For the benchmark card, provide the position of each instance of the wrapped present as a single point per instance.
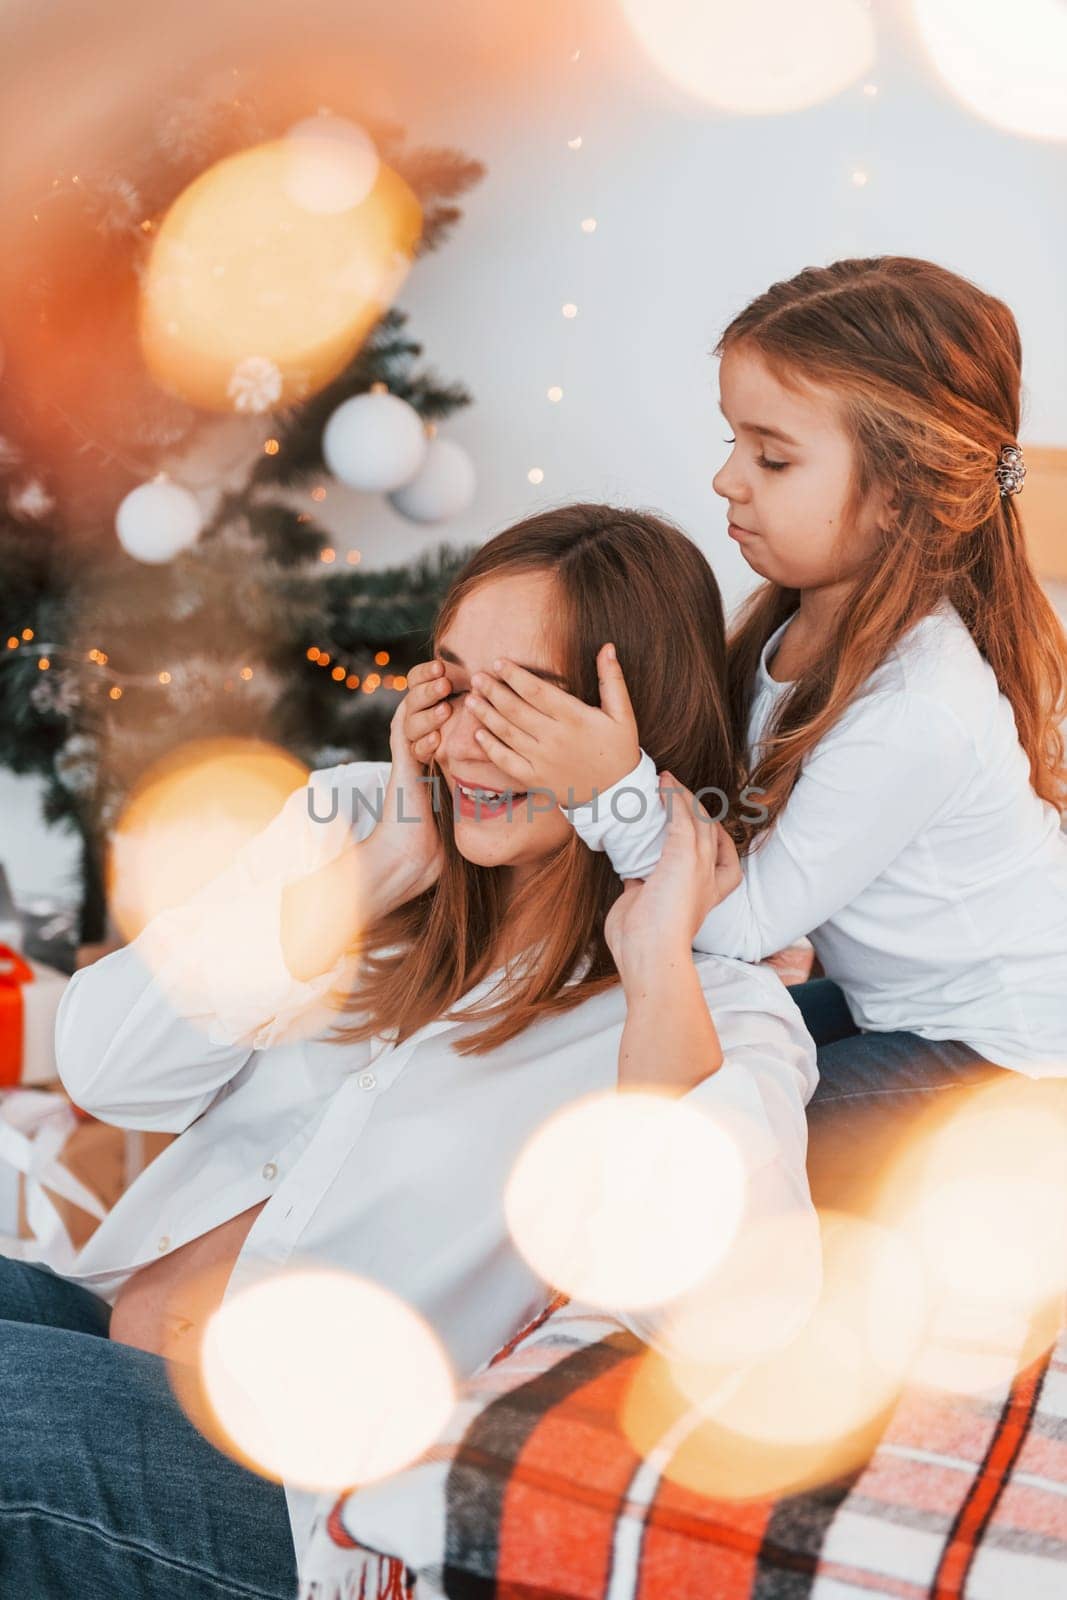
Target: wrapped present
(30, 993)
(35, 1125)
(61, 1171)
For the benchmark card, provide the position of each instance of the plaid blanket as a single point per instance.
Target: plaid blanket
(533, 1491)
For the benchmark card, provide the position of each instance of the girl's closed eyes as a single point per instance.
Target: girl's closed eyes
(773, 466)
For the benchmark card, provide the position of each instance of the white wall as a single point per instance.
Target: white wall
(696, 213)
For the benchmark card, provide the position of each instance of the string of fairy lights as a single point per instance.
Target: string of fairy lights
(574, 141)
(366, 683)
(174, 677)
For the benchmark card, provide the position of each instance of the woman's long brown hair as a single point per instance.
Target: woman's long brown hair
(926, 369)
(620, 575)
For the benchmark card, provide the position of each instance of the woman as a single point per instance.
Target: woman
(499, 976)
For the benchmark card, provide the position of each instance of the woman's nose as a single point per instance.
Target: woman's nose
(459, 729)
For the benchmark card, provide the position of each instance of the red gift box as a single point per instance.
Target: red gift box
(30, 996)
(14, 974)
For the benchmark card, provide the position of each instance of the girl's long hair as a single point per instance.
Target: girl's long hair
(926, 368)
(619, 575)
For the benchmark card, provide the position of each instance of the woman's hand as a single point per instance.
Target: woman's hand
(669, 1040)
(654, 919)
(545, 738)
(403, 854)
(427, 707)
(323, 915)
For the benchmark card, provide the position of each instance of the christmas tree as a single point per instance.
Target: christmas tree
(107, 662)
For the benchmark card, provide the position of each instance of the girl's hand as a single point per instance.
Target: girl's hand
(654, 919)
(403, 854)
(428, 708)
(545, 738)
(793, 964)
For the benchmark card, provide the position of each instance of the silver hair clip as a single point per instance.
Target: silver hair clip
(1011, 469)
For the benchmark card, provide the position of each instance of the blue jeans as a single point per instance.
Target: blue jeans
(107, 1490)
(873, 1090)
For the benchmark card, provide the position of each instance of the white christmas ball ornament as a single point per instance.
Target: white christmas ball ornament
(157, 520)
(443, 487)
(374, 442)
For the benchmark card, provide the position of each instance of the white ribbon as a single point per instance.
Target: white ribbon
(34, 1127)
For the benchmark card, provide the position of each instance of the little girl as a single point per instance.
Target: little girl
(897, 682)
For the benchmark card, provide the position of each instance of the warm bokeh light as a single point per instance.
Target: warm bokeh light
(184, 825)
(808, 1411)
(852, 1353)
(187, 818)
(981, 1191)
(776, 57)
(324, 1379)
(751, 1302)
(252, 299)
(626, 1199)
(1008, 67)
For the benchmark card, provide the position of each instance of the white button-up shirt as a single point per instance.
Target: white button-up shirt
(396, 1171)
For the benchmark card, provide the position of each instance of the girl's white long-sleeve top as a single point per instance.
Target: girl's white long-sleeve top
(913, 852)
(389, 1161)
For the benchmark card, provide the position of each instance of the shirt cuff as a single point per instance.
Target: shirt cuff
(628, 821)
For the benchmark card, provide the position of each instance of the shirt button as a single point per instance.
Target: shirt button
(164, 1243)
(367, 1080)
(270, 1170)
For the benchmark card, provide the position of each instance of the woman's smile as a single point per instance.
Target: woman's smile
(480, 802)
(479, 807)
